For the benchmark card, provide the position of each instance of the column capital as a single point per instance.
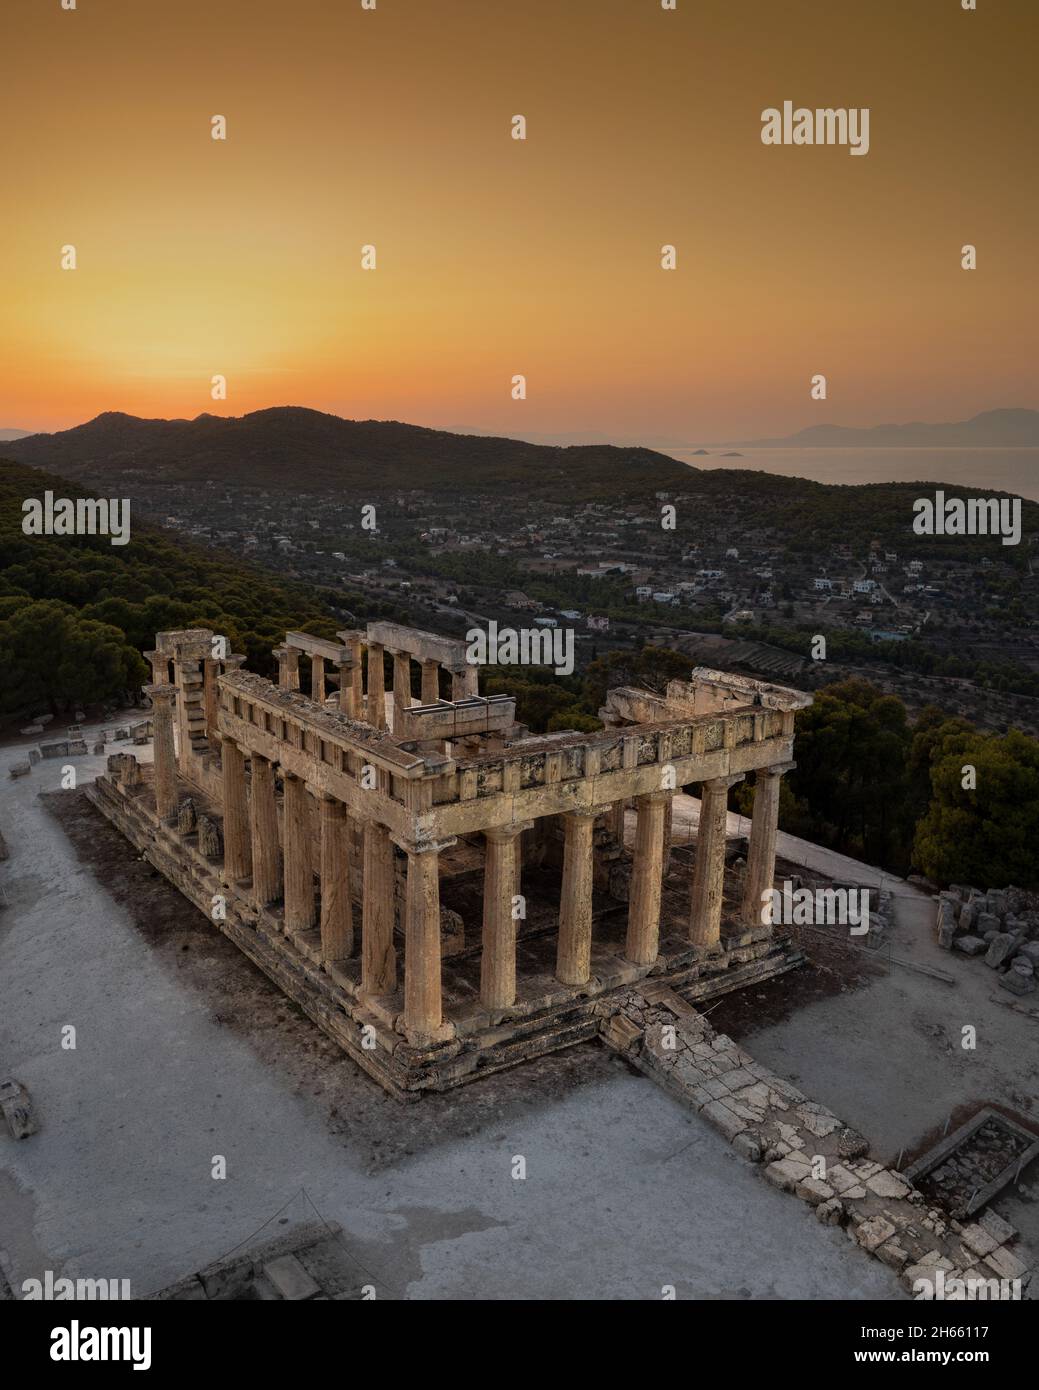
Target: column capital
(160, 692)
(504, 833)
(776, 769)
(729, 780)
(591, 812)
(422, 846)
(662, 796)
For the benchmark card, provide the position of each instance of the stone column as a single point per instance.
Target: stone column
(465, 680)
(615, 820)
(378, 958)
(264, 822)
(237, 843)
(422, 1000)
(317, 678)
(211, 670)
(430, 682)
(288, 667)
(646, 879)
(160, 664)
(300, 911)
(165, 783)
(709, 869)
(498, 962)
(401, 682)
(347, 705)
(357, 678)
(376, 686)
(337, 923)
(574, 953)
(761, 854)
(669, 815)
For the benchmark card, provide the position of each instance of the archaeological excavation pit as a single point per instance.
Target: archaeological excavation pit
(969, 1167)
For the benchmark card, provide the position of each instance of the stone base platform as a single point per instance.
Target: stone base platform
(547, 1015)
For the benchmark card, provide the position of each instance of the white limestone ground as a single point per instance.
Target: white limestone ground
(625, 1191)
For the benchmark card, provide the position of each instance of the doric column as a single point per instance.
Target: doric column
(615, 819)
(237, 843)
(465, 680)
(574, 953)
(422, 1001)
(761, 853)
(317, 678)
(160, 664)
(669, 815)
(164, 752)
(430, 682)
(337, 925)
(300, 912)
(378, 958)
(401, 681)
(646, 879)
(288, 667)
(376, 686)
(263, 815)
(357, 678)
(211, 670)
(498, 962)
(709, 869)
(347, 705)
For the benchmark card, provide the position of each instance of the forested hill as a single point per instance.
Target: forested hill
(76, 611)
(305, 450)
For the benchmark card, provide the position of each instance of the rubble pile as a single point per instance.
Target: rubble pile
(1001, 926)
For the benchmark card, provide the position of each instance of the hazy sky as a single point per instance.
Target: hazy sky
(496, 256)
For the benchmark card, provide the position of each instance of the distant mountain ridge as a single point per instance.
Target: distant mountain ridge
(994, 429)
(7, 434)
(296, 448)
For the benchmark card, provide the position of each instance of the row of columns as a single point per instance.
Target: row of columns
(251, 850)
(359, 703)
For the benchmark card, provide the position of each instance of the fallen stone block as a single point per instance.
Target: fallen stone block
(851, 1144)
(814, 1190)
(993, 1224)
(817, 1119)
(787, 1172)
(874, 1232)
(1002, 946)
(978, 1240)
(749, 1145)
(290, 1278)
(1017, 982)
(830, 1213)
(18, 1109)
(888, 1184)
(970, 945)
(21, 769)
(895, 1256)
(1005, 1263)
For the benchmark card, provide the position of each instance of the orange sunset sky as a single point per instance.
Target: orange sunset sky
(495, 256)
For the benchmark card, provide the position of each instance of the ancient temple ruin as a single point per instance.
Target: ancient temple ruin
(442, 892)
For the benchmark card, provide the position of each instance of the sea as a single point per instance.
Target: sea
(988, 470)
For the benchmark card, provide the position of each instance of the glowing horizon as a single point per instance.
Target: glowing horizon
(495, 257)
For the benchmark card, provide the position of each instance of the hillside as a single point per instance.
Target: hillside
(299, 449)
